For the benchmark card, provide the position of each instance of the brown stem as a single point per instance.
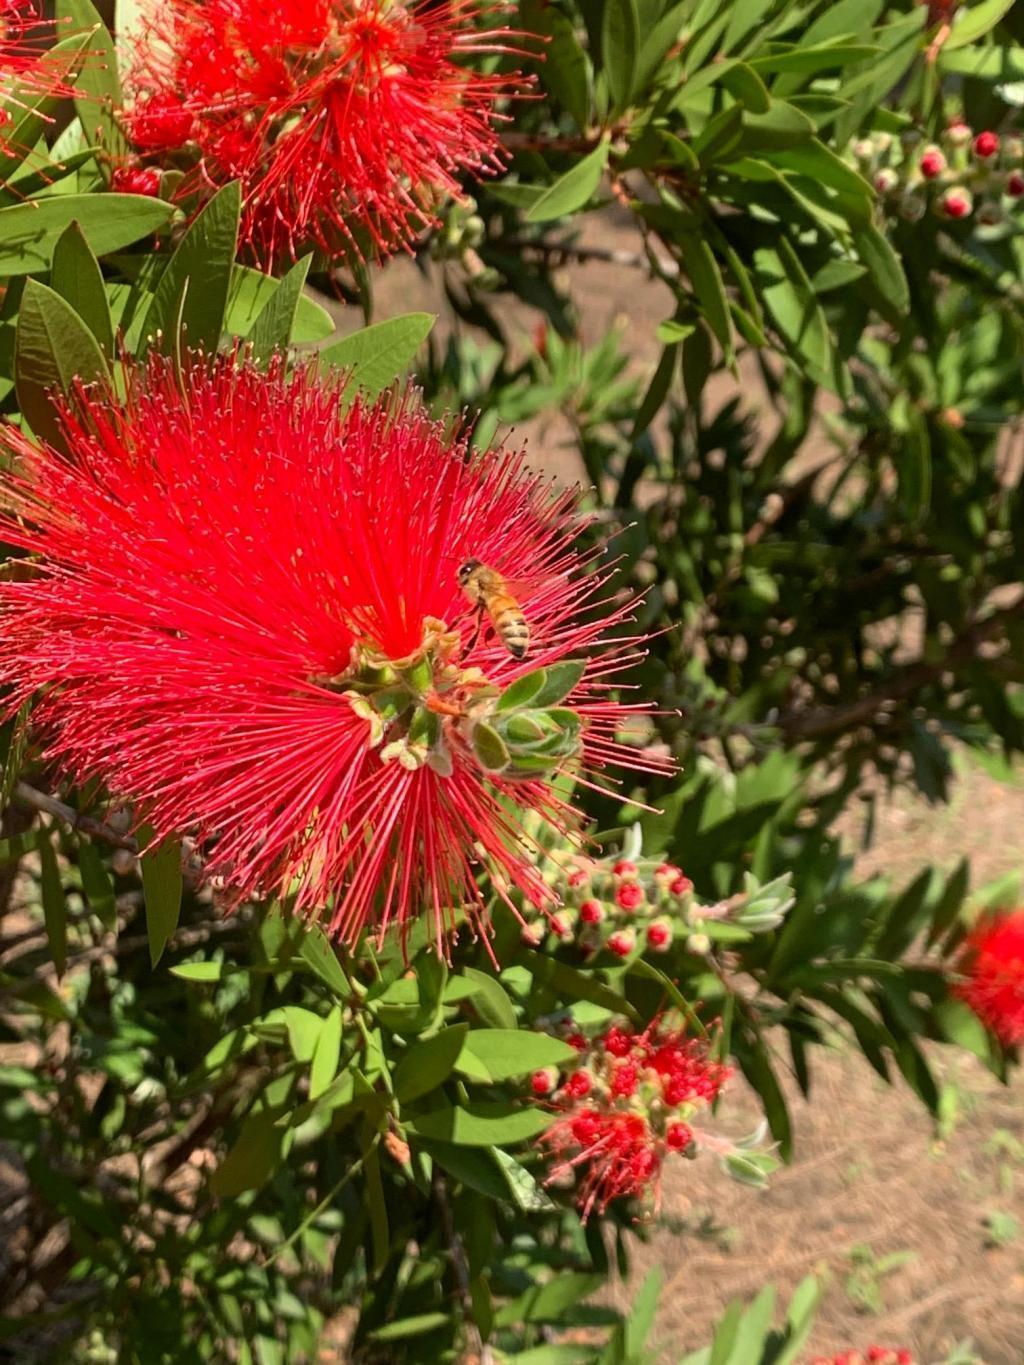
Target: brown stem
(25, 795)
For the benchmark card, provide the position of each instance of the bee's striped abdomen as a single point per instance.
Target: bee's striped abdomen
(510, 623)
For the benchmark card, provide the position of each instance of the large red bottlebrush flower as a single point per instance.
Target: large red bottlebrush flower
(347, 121)
(994, 970)
(248, 622)
(625, 1107)
(29, 69)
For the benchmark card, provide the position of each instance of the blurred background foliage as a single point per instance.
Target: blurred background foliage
(242, 1154)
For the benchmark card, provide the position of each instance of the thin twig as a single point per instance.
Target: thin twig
(480, 1352)
(83, 824)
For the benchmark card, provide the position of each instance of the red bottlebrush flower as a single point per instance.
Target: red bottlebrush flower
(616, 1143)
(994, 967)
(986, 145)
(347, 121)
(248, 623)
(932, 163)
(629, 896)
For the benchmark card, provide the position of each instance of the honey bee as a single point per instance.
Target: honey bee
(489, 593)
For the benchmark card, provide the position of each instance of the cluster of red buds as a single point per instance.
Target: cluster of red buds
(627, 1104)
(965, 174)
(626, 904)
(873, 1355)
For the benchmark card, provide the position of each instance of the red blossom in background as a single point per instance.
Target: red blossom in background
(347, 121)
(614, 1132)
(994, 968)
(873, 1355)
(247, 622)
(29, 70)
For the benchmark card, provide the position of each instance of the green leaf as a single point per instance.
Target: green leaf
(378, 355)
(162, 888)
(497, 1054)
(884, 267)
(473, 1166)
(373, 1188)
(782, 125)
(54, 907)
(52, 348)
(96, 883)
(549, 1302)
(526, 1193)
(490, 1000)
(565, 70)
(489, 748)
(481, 1124)
(572, 190)
(77, 278)
(791, 301)
(702, 267)
(251, 292)
(99, 81)
(971, 24)
(252, 1160)
(29, 232)
(319, 955)
(416, 1326)
(746, 85)
(273, 327)
(429, 1063)
(574, 984)
(523, 691)
(327, 1052)
(191, 299)
(203, 973)
(559, 681)
(620, 50)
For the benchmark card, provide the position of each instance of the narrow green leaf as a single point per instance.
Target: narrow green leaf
(971, 24)
(373, 1187)
(572, 190)
(702, 267)
(273, 327)
(416, 1326)
(490, 1000)
(526, 1193)
(190, 301)
(250, 293)
(77, 278)
(162, 888)
(503, 1054)
(620, 50)
(52, 348)
(574, 984)
(318, 954)
(29, 232)
(565, 71)
(252, 1160)
(378, 355)
(204, 973)
(54, 907)
(99, 81)
(884, 266)
(324, 1066)
(429, 1063)
(481, 1125)
(96, 883)
(657, 390)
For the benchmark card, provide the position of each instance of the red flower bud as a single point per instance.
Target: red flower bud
(932, 163)
(136, 180)
(682, 886)
(986, 145)
(957, 203)
(1015, 185)
(591, 912)
(622, 943)
(629, 896)
(625, 868)
(678, 1136)
(659, 935)
(543, 1082)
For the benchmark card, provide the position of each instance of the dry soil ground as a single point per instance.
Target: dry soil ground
(870, 1170)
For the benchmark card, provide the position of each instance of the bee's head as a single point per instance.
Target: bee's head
(467, 570)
